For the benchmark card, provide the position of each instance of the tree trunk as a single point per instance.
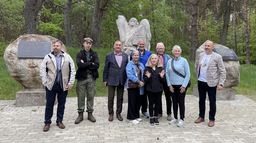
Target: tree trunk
(31, 10)
(99, 10)
(67, 23)
(247, 31)
(226, 19)
(193, 9)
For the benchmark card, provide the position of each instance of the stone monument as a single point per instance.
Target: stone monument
(232, 66)
(22, 58)
(133, 31)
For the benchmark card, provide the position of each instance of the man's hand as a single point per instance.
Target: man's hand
(220, 87)
(69, 86)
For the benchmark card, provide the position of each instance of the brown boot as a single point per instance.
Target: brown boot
(80, 118)
(60, 125)
(111, 117)
(199, 120)
(90, 117)
(46, 127)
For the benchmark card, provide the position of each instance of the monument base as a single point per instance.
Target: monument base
(224, 94)
(35, 97)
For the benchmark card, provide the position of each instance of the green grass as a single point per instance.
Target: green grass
(9, 87)
(247, 85)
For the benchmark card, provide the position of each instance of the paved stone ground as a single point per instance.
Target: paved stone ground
(235, 123)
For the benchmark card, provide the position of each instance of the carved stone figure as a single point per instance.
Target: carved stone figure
(232, 66)
(133, 31)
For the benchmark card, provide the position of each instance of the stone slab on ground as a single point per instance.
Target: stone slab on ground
(35, 97)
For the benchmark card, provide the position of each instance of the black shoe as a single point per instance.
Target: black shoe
(46, 127)
(151, 121)
(119, 117)
(156, 121)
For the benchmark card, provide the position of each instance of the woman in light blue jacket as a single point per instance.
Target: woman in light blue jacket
(134, 71)
(178, 76)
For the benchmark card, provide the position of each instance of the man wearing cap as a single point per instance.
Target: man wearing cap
(88, 63)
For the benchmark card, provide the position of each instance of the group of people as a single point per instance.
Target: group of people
(145, 75)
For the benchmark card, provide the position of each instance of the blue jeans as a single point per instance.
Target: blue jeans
(50, 99)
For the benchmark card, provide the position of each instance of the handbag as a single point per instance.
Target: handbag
(132, 84)
(179, 74)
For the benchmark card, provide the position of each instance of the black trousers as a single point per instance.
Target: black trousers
(50, 99)
(178, 102)
(133, 103)
(143, 102)
(119, 96)
(203, 88)
(154, 103)
(168, 98)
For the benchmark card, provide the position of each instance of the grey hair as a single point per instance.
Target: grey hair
(160, 44)
(176, 47)
(134, 52)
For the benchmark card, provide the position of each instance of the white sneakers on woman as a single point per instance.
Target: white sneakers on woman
(135, 122)
(178, 123)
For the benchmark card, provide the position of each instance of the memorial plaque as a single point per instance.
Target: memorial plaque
(33, 49)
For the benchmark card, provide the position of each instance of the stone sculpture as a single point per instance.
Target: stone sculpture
(133, 31)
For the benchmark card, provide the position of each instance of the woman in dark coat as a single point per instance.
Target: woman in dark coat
(153, 78)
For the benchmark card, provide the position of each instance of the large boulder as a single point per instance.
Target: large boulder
(26, 70)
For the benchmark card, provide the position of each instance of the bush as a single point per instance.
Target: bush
(50, 29)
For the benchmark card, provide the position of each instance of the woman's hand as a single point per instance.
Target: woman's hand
(162, 73)
(171, 89)
(141, 84)
(182, 89)
(148, 74)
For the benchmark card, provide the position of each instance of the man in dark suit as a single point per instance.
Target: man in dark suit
(114, 76)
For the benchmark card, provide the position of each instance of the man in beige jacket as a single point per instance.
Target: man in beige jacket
(57, 71)
(211, 76)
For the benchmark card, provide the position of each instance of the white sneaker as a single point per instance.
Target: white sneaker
(135, 122)
(173, 121)
(180, 123)
(139, 119)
